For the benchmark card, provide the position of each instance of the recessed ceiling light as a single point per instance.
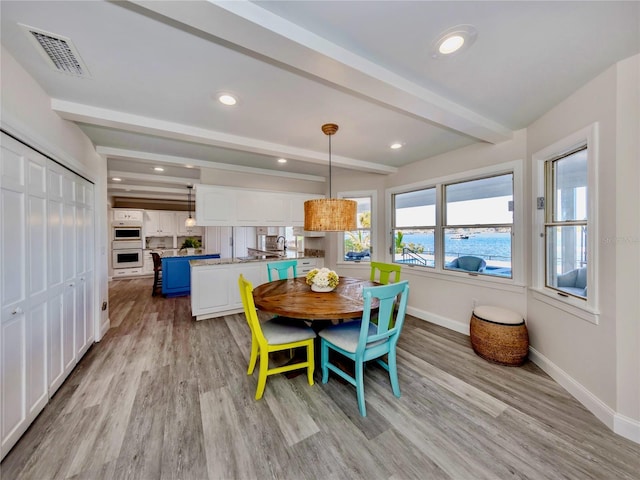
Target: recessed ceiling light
(454, 40)
(116, 179)
(395, 146)
(451, 44)
(227, 99)
(282, 160)
(158, 169)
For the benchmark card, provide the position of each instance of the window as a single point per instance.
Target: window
(478, 225)
(357, 244)
(414, 223)
(565, 245)
(566, 223)
(458, 225)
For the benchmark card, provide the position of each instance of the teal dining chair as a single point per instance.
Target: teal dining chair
(283, 269)
(363, 340)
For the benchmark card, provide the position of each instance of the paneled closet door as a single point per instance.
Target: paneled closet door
(23, 332)
(37, 391)
(87, 278)
(55, 277)
(13, 295)
(69, 245)
(46, 281)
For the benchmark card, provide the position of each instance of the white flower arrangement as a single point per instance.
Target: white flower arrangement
(323, 278)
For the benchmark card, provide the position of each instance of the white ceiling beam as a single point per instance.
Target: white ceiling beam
(280, 41)
(121, 153)
(118, 187)
(78, 112)
(148, 177)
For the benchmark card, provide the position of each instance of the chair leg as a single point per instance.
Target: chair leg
(360, 387)
(262, 374)
(324, 360)
(254, 356)
(312, 361)
(393, 373)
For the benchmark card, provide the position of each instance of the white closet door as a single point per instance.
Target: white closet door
(37, 385)
(46, 282)
(13, 299)
(56, 286)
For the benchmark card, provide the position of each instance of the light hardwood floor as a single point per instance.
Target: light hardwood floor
(165, 397)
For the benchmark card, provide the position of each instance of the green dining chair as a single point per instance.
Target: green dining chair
(380, 272)
(363, 340)
(283, 269)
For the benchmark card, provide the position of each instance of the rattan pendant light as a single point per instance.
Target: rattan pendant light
(330, 214)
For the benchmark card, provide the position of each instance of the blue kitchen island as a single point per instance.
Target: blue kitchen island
(176, 273)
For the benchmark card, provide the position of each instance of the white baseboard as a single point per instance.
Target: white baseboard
(624, 426)
(627, 427)
(439, 320)
(104, 327)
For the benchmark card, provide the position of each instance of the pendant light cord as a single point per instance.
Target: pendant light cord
(330, 166)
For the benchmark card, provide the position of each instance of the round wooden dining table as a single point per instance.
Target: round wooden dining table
(294, 298)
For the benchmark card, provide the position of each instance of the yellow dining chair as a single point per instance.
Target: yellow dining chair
(272, 336)
(380, 272)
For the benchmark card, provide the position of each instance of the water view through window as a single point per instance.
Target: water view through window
(476, 230)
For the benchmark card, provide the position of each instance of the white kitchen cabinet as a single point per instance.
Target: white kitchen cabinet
(147, 262)
(182, 230)
(215, 206)
(261, 208)
(46, 246)
(243, 238)
(158, 223)
(128, 272)
(215, 291)
(219, 240)
(126, 216)
(224, 206)
(214, 288)
(305, 265)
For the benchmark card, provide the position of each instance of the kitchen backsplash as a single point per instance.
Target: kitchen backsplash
(159, 242)
(313, 252)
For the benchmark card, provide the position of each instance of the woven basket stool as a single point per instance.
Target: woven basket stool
(499, 335)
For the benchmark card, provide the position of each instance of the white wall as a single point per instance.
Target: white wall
(598, 364)
(580, 355)
(628, 240)
(26, 113)
(212, 176)
(446, 299)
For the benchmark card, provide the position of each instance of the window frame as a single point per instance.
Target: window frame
(446, 225)
(514, 167)
(585, 308)
(433, 227)
(373, 196)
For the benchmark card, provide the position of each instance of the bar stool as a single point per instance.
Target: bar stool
(157, 274)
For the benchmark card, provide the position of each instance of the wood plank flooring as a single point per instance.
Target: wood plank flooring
(165, 397)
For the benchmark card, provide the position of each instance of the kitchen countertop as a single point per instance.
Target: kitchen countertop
(176, 252)
(253, 258)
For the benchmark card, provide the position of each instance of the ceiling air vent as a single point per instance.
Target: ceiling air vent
(59, 52)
